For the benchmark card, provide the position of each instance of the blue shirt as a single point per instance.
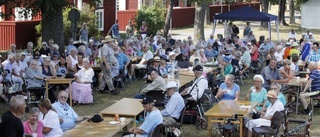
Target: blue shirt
(259, 97)
(122, 59)
(115, 30)
(265, 46)
(210, 54)
(174, 106)
(315, 77)
(230, 94)
(153, 119)
(87, 52)
(268, 74)
(67, 114)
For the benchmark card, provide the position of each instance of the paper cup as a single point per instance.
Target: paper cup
(34, 135)
(122, 119)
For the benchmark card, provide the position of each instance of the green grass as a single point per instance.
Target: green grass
(102, 101)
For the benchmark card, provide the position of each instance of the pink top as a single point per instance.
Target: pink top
(27, 128)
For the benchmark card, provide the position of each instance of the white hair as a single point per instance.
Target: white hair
(30, 44)
(11, 56)
(85, 60)
(16, 101)
(75, 49)
(81, 49)
(55, 46)
(13, 45)
(259, 77)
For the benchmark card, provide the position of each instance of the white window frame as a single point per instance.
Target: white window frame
(1, 19)
(100, 19)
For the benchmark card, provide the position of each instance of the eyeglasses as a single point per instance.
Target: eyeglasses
(63, 97)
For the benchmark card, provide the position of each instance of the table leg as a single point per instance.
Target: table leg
(297, 99)
(47, 93)
(70, 92)
(209, 127)
(241, 127)
(134, 121)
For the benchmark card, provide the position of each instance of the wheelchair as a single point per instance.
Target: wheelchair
(34, 94)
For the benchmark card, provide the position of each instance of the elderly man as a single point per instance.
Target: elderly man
(314, 82)
(122, 58)
(34, 77)
(147, 55)
(67, 116)
(13, 49)
(314, 55)
(11, 125)
(106, 53)
(196, 90)
(265, 46)
(265, 117)
(157, 83)
(9, 66)
(172, 111)
(271, 74)
(246, 58)
(152, 119)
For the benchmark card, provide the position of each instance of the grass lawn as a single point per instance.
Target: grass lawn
(102, 101)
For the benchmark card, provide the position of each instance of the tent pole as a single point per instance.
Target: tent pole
(214, 26)
(225, 30)
(269, 28)
(277, 27)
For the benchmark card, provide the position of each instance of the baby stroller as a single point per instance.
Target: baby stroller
(194, 113)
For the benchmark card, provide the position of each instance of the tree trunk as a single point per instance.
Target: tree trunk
(200, 9)
(292, 18)
(207, 17)
(168, 18)
(265, 8)
(281, 13)
(52, 27)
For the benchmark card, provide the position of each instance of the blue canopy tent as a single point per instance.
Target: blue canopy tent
(246, 14)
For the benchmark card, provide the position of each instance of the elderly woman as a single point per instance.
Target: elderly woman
(29, 51)
(33, 125)
(44, 50)
(55, 50)
(82, 50)
(143, 29)
(79, 65)
(72, 60)
(202, 56)
(257, 93)
(49, 118)
(33, 76)
(210, 52)
(225, 67)
(81, 88)
(61, 67)
(46, 68)
(13, 49)
(276, 87)
(265, 117)
(194, 56)
(228, 90)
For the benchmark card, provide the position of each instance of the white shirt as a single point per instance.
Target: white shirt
(146, 56)
(279, 56)
(51, 120)
(292, 35)
(277, 106)
(198, 90)
(85, 75)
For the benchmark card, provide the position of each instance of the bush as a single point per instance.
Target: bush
(153, 15)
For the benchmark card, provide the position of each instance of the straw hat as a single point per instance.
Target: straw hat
(272, 94)
(107, 39)
(295, 44)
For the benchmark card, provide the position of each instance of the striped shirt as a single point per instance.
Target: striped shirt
(313, 56)
(315, 77)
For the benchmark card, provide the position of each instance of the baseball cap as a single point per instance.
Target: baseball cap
(198, 68)
(147, 99)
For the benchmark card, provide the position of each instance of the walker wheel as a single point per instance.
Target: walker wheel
(201, 123)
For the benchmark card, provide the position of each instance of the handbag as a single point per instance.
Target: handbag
(255, 115)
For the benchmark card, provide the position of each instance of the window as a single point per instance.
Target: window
(22, 14)
(100, 19)
(1, 14)
(99, 3)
